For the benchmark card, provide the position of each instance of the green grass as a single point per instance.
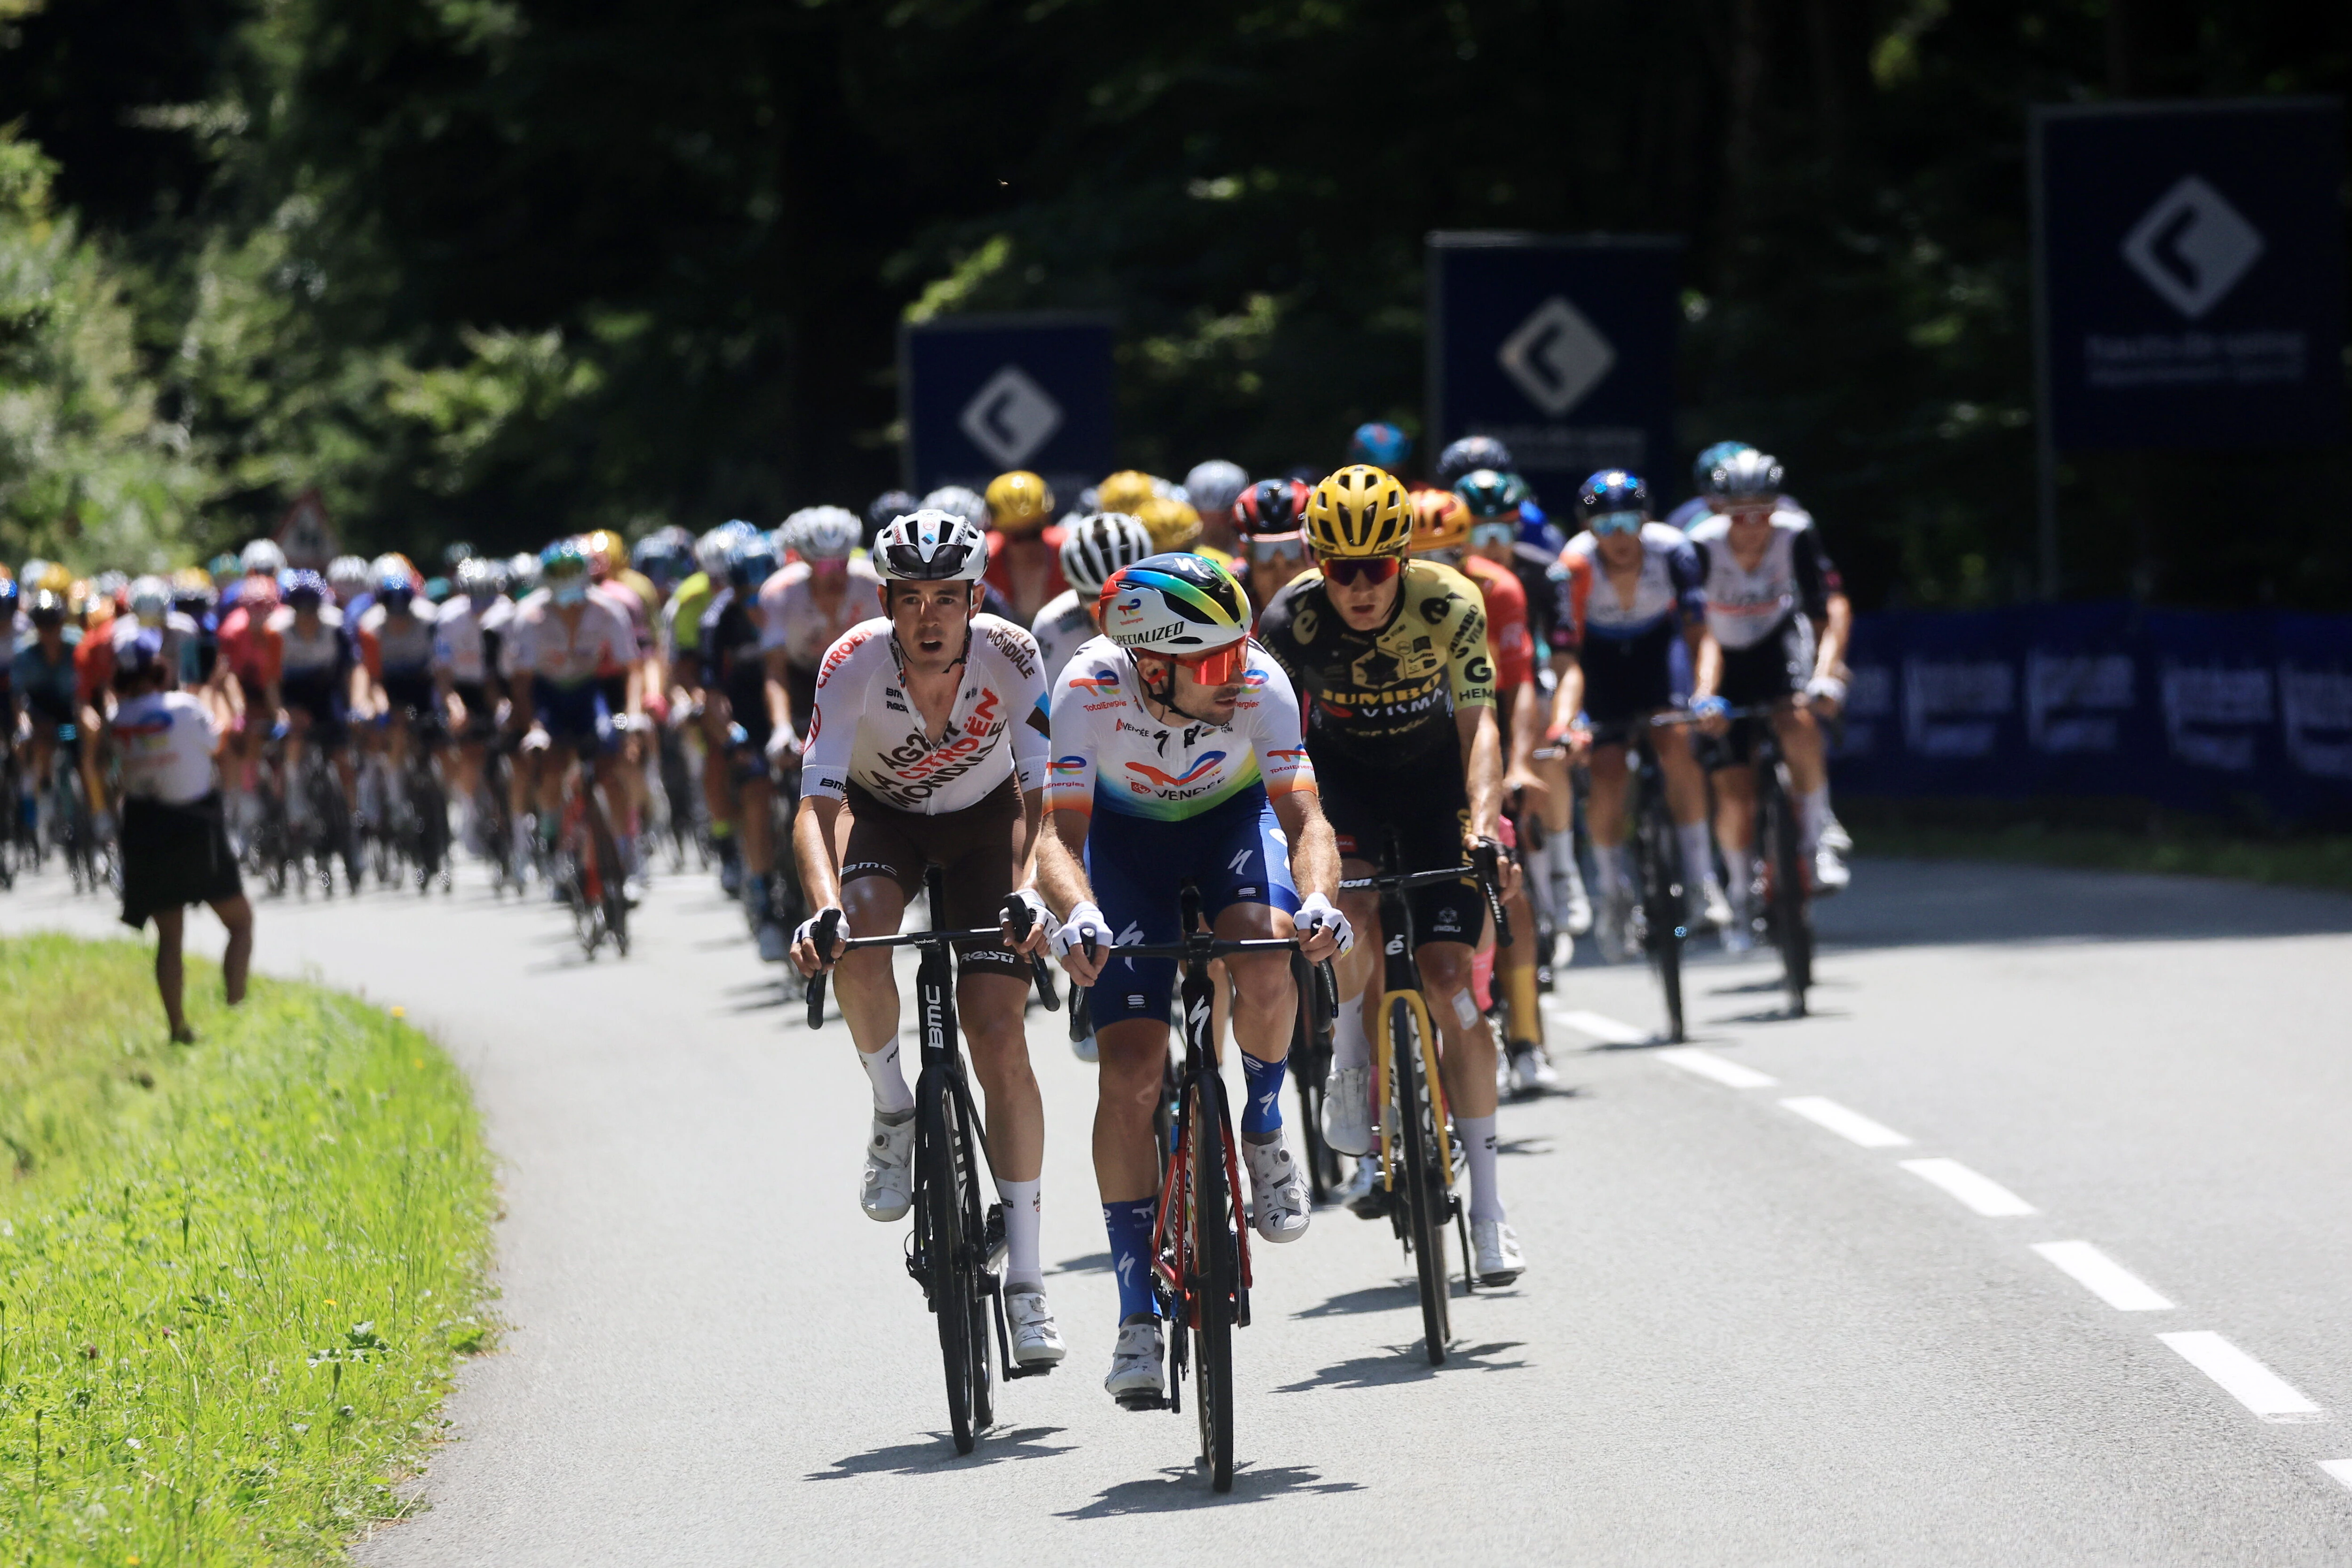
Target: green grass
(235, 1278)
(2185, 847)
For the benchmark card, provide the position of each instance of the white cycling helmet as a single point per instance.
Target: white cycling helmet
(1095, 546)
(930, 546)
(968, 505)
(715, 549)
(824, 533)
(1212, 486)
(348, 575)
(263, 556)
(522, 573)
(150, 597)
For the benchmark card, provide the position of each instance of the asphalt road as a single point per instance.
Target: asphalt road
(1745, 1336)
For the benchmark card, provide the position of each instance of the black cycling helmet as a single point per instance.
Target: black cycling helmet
(1273, 507)
(1611, 492)
(1747, 475)
(1470, 454)
(887, 508)
(1490, 495)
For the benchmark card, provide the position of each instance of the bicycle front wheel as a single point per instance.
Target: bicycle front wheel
(941, 1245)
(1425, 1185)
(1215, 1266)
(1662, 910)
(1793, 924)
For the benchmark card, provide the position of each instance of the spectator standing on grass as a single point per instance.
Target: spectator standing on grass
(175, 837)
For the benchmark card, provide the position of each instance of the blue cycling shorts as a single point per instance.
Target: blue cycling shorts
(575, 717)
(1236, 854)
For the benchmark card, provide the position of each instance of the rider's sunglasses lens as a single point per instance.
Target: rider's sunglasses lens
(1368, 569)
(1617, 522)
(1222, 668)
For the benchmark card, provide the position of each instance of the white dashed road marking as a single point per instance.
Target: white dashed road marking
(1848, 1124)
(2241, 1377)
(1607, 1030)
(1706, 1064)
(2103, 1277)
(2339, 1468)
(1982, 1194)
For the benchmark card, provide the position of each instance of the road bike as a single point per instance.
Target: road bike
(586, 865)
(1416, 1151)
(1781, 896)
(1201, 1245)
(1659, 924)
(956, 1250)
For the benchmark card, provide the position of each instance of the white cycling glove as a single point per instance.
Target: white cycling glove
(783, 743)
(1316, 914)
(1828, 686)
(1085, 921)
(808, 930)
(1039, 915)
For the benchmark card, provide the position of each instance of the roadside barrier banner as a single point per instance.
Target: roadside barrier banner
(2224, 714)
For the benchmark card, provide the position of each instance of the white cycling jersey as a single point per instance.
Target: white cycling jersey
(1668, 585)
(315, 653)
(791, 617)
(539, 643)
(1744, 607)
(402, 647)
(458, 640)
(1060, 627)
(864, 731)
(1109, 751)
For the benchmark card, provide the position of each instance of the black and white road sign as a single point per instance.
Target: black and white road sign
(985, 394)
(1564, 349)
(2191, 265)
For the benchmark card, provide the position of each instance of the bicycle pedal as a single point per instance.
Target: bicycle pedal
(1142, 1401)
(1039, 1370)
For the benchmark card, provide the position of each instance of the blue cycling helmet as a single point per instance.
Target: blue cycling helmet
(1382, 445)
(394, 590)
(1613, 492)
(8, 592)
(305, 590)
(1713, 457)
(754, 561)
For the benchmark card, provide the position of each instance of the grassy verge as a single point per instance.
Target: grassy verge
(235, 1278)
(1951, 831)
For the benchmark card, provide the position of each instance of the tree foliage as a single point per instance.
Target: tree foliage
(501, 267)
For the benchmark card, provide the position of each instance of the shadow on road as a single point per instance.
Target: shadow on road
(1175, 1490)
(1089, 1263)
(1371, 1299)
(938, 1453)
(1406, 1363)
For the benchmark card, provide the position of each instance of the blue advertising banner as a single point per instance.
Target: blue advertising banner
(1561, 348)
(2201, 712)
(2191, 266)
(981, 394)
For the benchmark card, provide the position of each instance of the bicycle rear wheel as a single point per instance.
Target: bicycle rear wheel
(1425, 1185)
(1215, 1266)
(1792, 925)
(941, 1245)
(1662, 910)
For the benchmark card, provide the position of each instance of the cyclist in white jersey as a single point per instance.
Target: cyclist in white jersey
(1778, 609)
(462, 676)
(1179, 738)
(395, 641)
(805, 609)
(1632, 590)
(563, 648)
(925, 728)
(1093, 547)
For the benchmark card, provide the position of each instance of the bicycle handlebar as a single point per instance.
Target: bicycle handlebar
(1484, 867)
(828, 927)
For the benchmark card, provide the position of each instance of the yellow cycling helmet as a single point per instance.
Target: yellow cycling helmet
(1172, 524)
(55, 579)
(605, 551)
(1019, 504)
(1359, 511)
(1440, 522)
(1126, 491)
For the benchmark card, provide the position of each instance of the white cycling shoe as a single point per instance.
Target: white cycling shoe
(1497, 1244)
(1531, 1070)
(1278, 1202)
(1709, 909)
(1037, 1338)
(1136, 1362)
(1568, 897)
(1830, 875)
(890, 1181)
(1613, 931)
(1347, 1109)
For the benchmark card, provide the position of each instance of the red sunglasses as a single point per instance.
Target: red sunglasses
(1219, 666)
(1347, 571)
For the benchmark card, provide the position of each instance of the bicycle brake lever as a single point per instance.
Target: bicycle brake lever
(828, 926)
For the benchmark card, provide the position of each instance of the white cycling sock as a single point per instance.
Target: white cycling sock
(1698, 852)
(891, 1094)
(1812, 814)
(1613, 864)
(1350, 1047)
(1740, 884)
(1478, 1135)
(1022, 1269)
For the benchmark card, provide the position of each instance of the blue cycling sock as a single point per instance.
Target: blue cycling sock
(1264, 1112)
(1130, 1224)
